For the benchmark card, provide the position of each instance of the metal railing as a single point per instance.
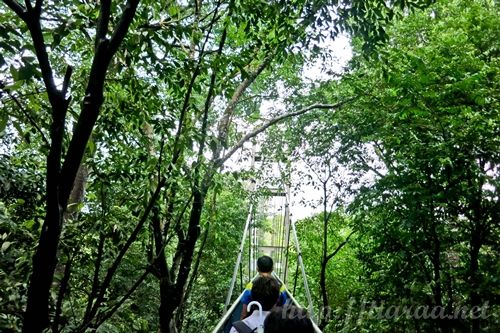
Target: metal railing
(294, 301)
(222, 323)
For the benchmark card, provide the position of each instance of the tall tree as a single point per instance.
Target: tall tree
(428, 112)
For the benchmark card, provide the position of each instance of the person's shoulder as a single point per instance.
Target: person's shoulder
(249, 285)
(246, 297)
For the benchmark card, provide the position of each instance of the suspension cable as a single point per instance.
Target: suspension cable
(255, 249)
(282, 239)
(276, 230)
(241, 277)
(295, 277)
(250, 249)
(287, 240)
(304, 276)
(235, 271)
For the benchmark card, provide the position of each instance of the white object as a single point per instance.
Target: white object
(260, 328)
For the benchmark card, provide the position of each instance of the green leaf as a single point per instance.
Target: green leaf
(173, 10)
(91, 147)
(24, 73)
(13, 72)
(5, 246)
(3, 121)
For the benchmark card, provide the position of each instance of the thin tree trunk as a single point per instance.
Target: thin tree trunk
(475, 297)
(324, 260)
(475, 244)
(172, 294)
(63, 288)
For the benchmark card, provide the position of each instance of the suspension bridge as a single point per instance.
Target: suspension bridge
(269, 230)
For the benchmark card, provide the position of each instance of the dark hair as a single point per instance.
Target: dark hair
(266, 291)
(288, 319)
(265, 264)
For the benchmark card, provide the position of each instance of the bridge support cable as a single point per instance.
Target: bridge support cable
(287, 240)
(281, 230)
(221, 325)
(241, 277)
(295, 303)
(250, 247)
(304, 276)
(295, 278)
(238, 261)
(282, 245)
(286, 232)
(255, 248)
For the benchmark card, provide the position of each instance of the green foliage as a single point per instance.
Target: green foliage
(423, 133)
(425, 125)
(343, 271)
(224, 221)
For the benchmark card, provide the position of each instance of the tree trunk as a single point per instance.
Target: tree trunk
(172, 294)
(44, 264)
(36, 318)
(475, 297)
(324, 295)
(475, 243)
(324, 259)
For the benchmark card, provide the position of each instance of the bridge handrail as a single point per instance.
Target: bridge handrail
(227, 315)
(294, 301)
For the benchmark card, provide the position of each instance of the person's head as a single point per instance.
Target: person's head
(266, 291)
(265, 264)
(288, 319)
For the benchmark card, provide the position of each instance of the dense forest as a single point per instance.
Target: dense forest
(126, 128)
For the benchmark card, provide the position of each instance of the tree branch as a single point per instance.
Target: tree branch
(194, 274)
(27, 115)
(67, 78)
(208, 101)
(219, 162)
(97, 269)
(16, 7)
(27, 3)
(369, 166)
(122, 28)
(62, 291)
(112, 269)
(136, 285)
(38, 6)
(196, 72)
(341, 245)
(228, 112)
(103, 23)
(32, 20)
(93, 100)
(177, 221)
